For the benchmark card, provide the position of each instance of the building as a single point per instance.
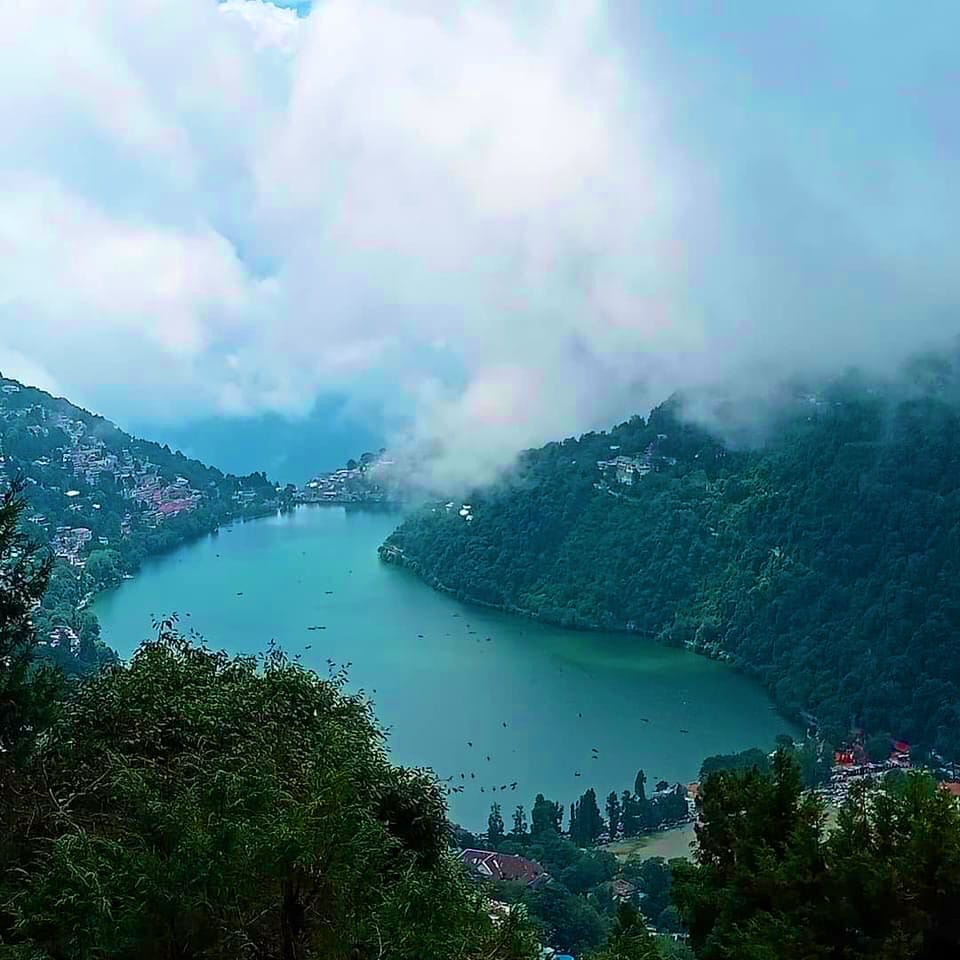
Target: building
(622, 890)
(504, 866)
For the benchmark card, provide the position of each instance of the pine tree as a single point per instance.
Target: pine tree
(495, 831)
(519, 822)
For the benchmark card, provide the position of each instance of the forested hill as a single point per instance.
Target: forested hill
(826, 562)
(103, 501)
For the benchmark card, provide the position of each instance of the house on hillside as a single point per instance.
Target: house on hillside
(491, 865)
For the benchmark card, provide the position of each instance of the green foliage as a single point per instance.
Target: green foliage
(629, 939)
(545, 817)
(878, 747)
(198, 805)
(495, 830)
(587, 824)
(568, 922)
(752, 759)
(103, 567)
(24, 573)
(589, 871)
(824, 560)
(655, 878)
(770, 882)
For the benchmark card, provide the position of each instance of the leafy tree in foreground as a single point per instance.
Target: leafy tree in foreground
(629, 939)
(771, 883)
(196, 805)
(23, 579)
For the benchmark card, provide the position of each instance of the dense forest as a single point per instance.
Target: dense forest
(823, 559)
(772, 878)
(103, 501)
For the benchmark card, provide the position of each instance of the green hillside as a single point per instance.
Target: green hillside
(103, 501)
(826, 561)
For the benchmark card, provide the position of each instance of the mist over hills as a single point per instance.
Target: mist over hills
(825, 561)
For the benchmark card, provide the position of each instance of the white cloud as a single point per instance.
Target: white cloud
(489, 210)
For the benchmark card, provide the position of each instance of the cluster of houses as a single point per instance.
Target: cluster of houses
(65, 637)
(629, 470)
(364, 482)
(135, 479)
(464, 511)
(851, 765)
(70, 543)
(162, 500)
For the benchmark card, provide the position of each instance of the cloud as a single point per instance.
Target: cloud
(514, 222)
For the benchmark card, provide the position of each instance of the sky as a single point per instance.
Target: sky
(476, 225)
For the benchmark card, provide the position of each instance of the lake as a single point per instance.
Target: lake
(533, 700)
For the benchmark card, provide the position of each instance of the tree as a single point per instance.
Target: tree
(588, 871)
(613, 814)
(669, 920)
(639, 784)
(193, 804)
(545, 817)
(519, 823)
(103, 567)
(569, 922)
(629, 938)
(589, 823)
(770, 882)
(630, 815)
(495, 829)
(877, 747)
(655, 879)
(752, 759)
(24, 573)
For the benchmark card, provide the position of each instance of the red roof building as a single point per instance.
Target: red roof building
(951, 787)
(503, 866)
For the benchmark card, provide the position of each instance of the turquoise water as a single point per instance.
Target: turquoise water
(439, 681)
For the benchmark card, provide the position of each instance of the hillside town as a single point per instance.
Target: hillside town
(102, 501)
(371, 479)
(853, 764)
(626, 470)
